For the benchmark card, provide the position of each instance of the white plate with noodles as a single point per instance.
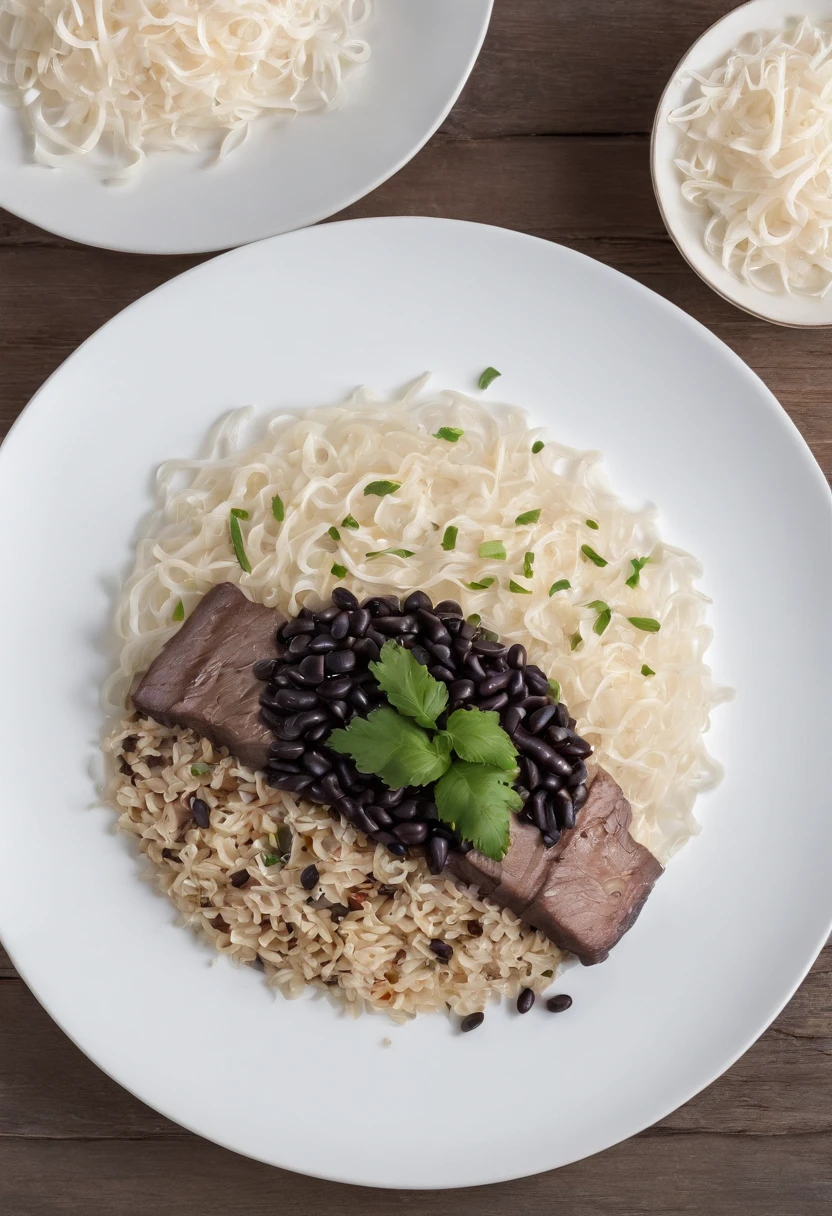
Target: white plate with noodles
(590, 363)
(255, 119)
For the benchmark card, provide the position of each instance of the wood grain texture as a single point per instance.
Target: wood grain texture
(550, 138)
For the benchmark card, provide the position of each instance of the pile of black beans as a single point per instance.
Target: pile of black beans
(321, 679)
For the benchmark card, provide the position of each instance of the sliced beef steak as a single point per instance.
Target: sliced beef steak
(203, 678)
(586, 892)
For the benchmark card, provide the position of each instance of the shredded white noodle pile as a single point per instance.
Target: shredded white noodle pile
(135, 76)
(757, 155)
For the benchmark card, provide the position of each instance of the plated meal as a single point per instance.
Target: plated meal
(409, 704)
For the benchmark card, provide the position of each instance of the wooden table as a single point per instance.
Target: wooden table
(550, 137)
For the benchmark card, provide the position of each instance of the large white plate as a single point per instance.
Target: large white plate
(730, 929)
(284, 176)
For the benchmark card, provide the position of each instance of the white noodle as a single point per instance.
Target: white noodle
(757, 156)
(647, 730)
(137, 76)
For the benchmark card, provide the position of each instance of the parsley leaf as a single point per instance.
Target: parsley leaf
(380, 488)
(393, 748)
(645, 622)
(476, 735)
(349, 521)
(333, 532)
(390, 553)
(575, 641)
(492, 548)
(482, 585)
(239, 513)
(538, 446)
(477, 799)
(593, 556)
(178, 613)
(408, 685)
(487, 377)
(590, 523)
(528, 517)
(647, 671)
(528, 562)
(563, 584)
(638, 564)
(338, 570)
(449, 539)
(200, 769)
(517, 589)
(450, 433)
(237, 542)
(277, 509)
(604, 616)
(554, 689)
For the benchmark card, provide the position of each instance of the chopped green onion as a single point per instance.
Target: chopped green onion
(474, 619)
(277, 509)
(538, 446)
(349, 521)
(575, 641)
(528, 517)
(390, 553)
(333, 532)
(547, 974)
(493, 548)
(590, 523)
(645, 622)
(178, 612)
(554, 689)
(270, 859)
(517, 589)
(593, 556)
(338, 570)
(601, 621)
(638, 563)
(283, 840)
(450, 433)
(563, 584)
(528, 562)
(200, 769)
(487, 377)
(647, 671)
(239, 513)
(449, 539)
(599, 606)
(380, 488)
(481, 585)
(237, 542)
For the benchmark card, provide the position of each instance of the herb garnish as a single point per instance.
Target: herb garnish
(277, 508)
(538, 446)
(563, 584)
(237, 542)
(349, 521)
(408, 686)
(474, 619)
(481, 585)
(380, 488)
(450, 433)
(604, 615)
(200, 769)
(528, 517)
(575, 641)
(333, 532)
(476, 799)
(528, 562)
(239, 513)
(390, 553)
(554, 689)
(647, 671)
(593, 556)
(393, 747)
(479, 738)
(492, 548)
(338, 570)
(178, 613)
(590, 523)
(638, 563)
(487, 377)
(517, 589)
(645, 622)
(270, 859)
(449, 538)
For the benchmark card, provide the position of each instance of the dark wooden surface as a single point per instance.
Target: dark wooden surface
(549, 137)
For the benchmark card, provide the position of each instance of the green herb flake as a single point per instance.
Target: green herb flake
(538, 446)
(200, 769)
(277, 509)
(338, 570)
(408, 685)
(638, 564)
(593, 556)
(393, 748)
(477, 799)
(476, 736)
(474, 619)
(645, 622)
(494, 549)
(547, 974)
(270, 859)
(563, 584)
(528, 517)
(575, 641)
(333, 532)
(590, 523)
(449, 433)
(239, 513)
(528, 563)
(389, 553)
(381, 488)
(482, 585)
(554, 690)
(601, 622)
(449, 539)
(517, 589)
(178, 613)
(349, 521)
(237, 542)
(487, 377)
(647, 671)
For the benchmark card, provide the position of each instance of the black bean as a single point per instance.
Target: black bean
(462, 690)
(571, 723)
(466, 631)
(562, 715)
(239, 878)
(412, 833)
(474, 668)
(332, 786)
(388, 798)
(286, 751)
(472, 1021)
(275, 720)
(344, 599)
(576, 747)
(359, 622)
(462, 648)
(359, 700)
(309, 721)
(516, 687)
(264, 669)
(441, 653)
(339, 710)
(444, 829)
(428, 810)
(288, 781)
(497, 702)
(441, 949)
(298, 626)
(420, 654)
(525, 1000)
(417, 600)
(552, 828)
(558, 734)
(365, 821)
(339, 662)
(281, 680)
(440, 672)
(438, 850)
(366, 796)
(309, 877)
(532, 704)
(383, 819)
(536, 674)
(536, 806)
(366, 650)
(451, 607)
(552, 782)
(201, 812)
(433, 627)
(397, 848)
(171, 856)
(348, 774)
(306, 614)
(296, 699)
(394, 624)
(317, 733)
(407, 809)
(312, 668)
(348, 807)
(540, 752)
(316, 764)
(512, 719)
(298, 645)
(541, 718)
(387, 891)
(530, 771)
(579, 775)
(334, 690)
(340, 626)
(316, 792)
(453, 624)
(579, 796)
(463, 846)
(322, 644)
(327, 615)
(338, 912)
(557, 1004)
(484, 647)
(517, 657)
(492, 684)
(564, 810)
(283, 766)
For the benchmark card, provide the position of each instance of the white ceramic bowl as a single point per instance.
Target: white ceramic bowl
(686, 223)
